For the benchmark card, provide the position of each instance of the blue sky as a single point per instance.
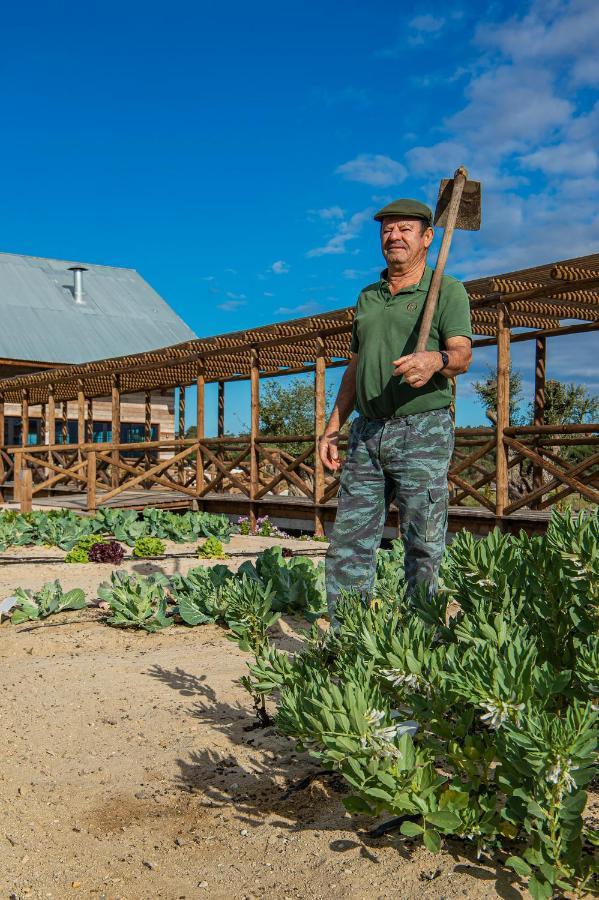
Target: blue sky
(234, 154)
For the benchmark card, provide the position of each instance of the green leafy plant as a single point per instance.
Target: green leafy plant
(66, 529)
(147, 547)
(249, 615)
(80, 552)
(107, 552)
(212, 548)
(297, 583)
(137, 602)
(45, 602)
(202, 595)
(477, 722)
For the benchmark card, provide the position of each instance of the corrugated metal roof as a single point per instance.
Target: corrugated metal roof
(121, 313)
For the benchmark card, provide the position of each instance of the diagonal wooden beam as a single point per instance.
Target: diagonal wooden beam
(64, 473)
(223, 475)
(134, 470)
(148, 474)
(283, 472)
(551, 485)
(291, 476)
(219, 465)
(468, 489)
(553, 470)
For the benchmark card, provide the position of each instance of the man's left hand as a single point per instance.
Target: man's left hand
(418, 368)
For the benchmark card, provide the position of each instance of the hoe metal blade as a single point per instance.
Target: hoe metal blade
(469, 211)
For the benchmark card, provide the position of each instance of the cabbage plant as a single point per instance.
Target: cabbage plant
(48, 600)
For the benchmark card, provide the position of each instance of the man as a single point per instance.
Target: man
(402, 441)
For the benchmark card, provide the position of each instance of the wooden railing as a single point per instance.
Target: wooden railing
(545, 465)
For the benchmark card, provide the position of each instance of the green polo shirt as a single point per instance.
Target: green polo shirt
(386, 327)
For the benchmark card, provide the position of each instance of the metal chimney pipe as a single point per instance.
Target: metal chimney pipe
(78, 282)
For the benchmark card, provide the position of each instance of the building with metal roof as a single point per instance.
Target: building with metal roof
(56, 311)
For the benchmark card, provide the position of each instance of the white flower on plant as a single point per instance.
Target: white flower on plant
(400, 679)
(381, 739)
(560, 771)
(499, 711)
(374, 716)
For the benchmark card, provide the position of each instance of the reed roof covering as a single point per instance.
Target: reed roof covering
(536, 298)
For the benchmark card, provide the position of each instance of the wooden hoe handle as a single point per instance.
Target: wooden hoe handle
(459, 180)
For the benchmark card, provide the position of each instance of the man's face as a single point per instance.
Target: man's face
(402, 239)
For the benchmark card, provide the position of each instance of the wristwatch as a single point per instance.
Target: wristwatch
(445, 358)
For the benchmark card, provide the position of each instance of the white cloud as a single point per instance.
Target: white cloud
(231, 296)
(280, 267)
(327, 213)
(561, 158)
(586, 71)
(548, 31)
(374, 169)
(347, 230)
(427, 23)
(509, 107)
(230, 305)
(524, 124)
(352, 274)
(303, 309)
(268, 294)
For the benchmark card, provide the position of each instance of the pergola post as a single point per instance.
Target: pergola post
(64, 424)
(148, 416)
(254, 431)
(181, 432)
(89, 422)
(24, 417)
(319, 426)
(221, 409)
(503, 410)
(80, 414)
(539, 405)
(200, 425)
(50, 428)
(115, 403)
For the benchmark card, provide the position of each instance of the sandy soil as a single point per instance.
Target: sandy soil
(130, 770)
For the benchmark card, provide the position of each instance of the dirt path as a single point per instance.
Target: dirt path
(128, 772)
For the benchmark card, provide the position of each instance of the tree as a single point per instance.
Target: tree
(486, 392)
(567, 404)
(289, 409)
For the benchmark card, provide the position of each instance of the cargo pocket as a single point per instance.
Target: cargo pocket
(436, 517)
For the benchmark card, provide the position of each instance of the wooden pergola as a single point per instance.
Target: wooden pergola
(247, 473)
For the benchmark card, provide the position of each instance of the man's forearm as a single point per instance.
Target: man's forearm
(345, 401)
(459, 360)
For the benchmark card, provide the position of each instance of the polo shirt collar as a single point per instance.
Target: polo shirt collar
(423, 284)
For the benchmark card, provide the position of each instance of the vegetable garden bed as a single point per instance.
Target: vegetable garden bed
(469, 718)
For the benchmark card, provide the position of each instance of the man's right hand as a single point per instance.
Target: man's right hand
(328, 451)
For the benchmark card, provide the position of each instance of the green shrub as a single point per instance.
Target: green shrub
(479, 724)
(147, 547)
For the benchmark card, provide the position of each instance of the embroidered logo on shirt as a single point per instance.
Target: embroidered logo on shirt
(412, 307)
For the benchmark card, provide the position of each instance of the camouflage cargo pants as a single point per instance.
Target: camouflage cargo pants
(408, 458)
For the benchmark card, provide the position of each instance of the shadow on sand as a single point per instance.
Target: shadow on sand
(278, 781)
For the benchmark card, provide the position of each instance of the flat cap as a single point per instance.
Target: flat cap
(406, 207)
